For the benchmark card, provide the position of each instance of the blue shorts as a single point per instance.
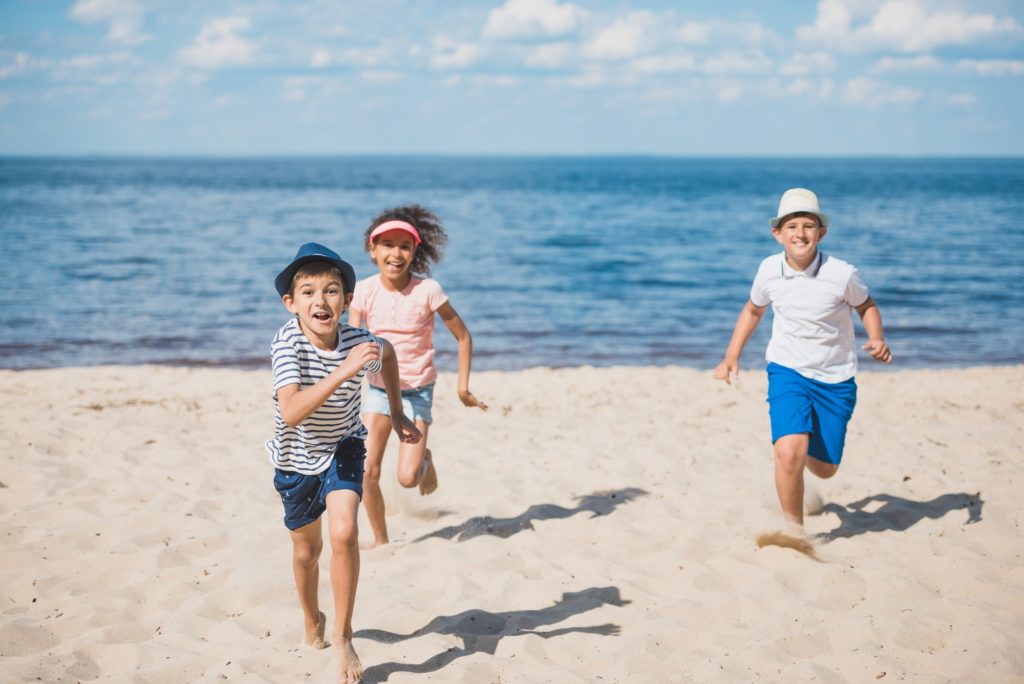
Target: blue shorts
(801, 405)
(416, 403)
(305, 496)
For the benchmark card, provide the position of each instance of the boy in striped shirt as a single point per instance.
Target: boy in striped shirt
(317, 450)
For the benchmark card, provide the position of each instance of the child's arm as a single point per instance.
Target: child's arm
(872, 319)
(355, 317)
(465, 340)
(298, 404)
(400, 423)
(745, 326)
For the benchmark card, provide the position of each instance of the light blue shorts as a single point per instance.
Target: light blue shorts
(820, 409)
(416, 402)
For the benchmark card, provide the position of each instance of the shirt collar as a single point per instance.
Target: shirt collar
(810, 272)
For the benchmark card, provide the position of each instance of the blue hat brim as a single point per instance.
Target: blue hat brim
(283, 281)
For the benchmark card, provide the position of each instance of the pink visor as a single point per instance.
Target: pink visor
(396, 225)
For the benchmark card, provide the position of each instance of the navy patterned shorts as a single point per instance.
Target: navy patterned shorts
(305, 496)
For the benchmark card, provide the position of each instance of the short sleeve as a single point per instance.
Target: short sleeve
(285, 364)
(377, 365)
(758, 291)
(856, 291)
(435, 296)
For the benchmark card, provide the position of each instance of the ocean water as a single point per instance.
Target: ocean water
(551, 261)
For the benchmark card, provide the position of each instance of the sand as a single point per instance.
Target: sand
(595, 525)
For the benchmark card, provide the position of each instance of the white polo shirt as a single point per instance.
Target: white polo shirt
(812, 330)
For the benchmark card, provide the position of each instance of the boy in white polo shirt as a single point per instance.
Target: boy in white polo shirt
(811, 357)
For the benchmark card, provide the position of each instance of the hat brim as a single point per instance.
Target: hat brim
(822, 216)
(283, 281)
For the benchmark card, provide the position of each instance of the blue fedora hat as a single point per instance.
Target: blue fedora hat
(311, 251)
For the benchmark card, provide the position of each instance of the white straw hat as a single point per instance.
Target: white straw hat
(799, 200)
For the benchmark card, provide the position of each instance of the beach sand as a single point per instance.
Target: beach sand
(595, 525)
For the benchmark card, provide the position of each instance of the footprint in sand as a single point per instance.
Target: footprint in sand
(787, 541)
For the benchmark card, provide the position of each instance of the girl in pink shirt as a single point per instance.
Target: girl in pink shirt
(399, 306)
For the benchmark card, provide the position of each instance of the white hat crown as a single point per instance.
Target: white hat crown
(799, 200)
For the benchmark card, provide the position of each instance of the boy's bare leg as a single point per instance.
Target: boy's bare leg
(790, 458)
(307, 543)
(378, 429)
(343, 532)
(821, 468)
(413, 468)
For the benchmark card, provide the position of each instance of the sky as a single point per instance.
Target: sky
(512, 77)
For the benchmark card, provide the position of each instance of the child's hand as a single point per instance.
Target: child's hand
(878, 350)
(358, 357)
(725, 369)
(467, 398)
(405, 429)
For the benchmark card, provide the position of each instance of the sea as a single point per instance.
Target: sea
(551, 261)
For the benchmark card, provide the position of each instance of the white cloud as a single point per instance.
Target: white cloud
(550, 55)
(734, 62)
(802, 63)
(367, 58)
(449, 54)
(219, 45)
(992, 67)
(320, 59)
(693, 33)
(803, 88)
(380, 76)
(901, 25)
(124, 18)
(898, 64)
(866, 92)
(297, 88)
(20, 62)
(729, 93)
(592, 76)
(750, 33)
(664, 64)
(530, 18)
(624, 38)
(965, 100)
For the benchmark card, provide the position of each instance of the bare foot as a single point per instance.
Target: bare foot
(315, 634)
(350, 670)
(788, 540)
(429, 482)
(372, 545)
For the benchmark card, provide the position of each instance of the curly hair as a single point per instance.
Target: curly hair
(432, 234)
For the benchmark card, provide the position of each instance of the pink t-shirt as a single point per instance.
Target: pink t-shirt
(406, 320)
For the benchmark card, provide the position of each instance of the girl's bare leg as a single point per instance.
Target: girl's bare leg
(378, 429)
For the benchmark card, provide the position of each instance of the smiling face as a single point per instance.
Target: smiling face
(393, 252)
(318, 301)
(799, 235)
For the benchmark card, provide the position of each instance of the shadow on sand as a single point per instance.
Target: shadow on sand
(897, 513)
(598, 503)
(480, 631)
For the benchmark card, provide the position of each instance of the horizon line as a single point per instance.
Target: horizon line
(488, 155)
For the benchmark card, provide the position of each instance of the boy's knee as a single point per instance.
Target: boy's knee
(307, 554)
(822, 469)
(789, 458)
(344, 535)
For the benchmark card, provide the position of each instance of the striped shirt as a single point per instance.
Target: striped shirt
(309, 447)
